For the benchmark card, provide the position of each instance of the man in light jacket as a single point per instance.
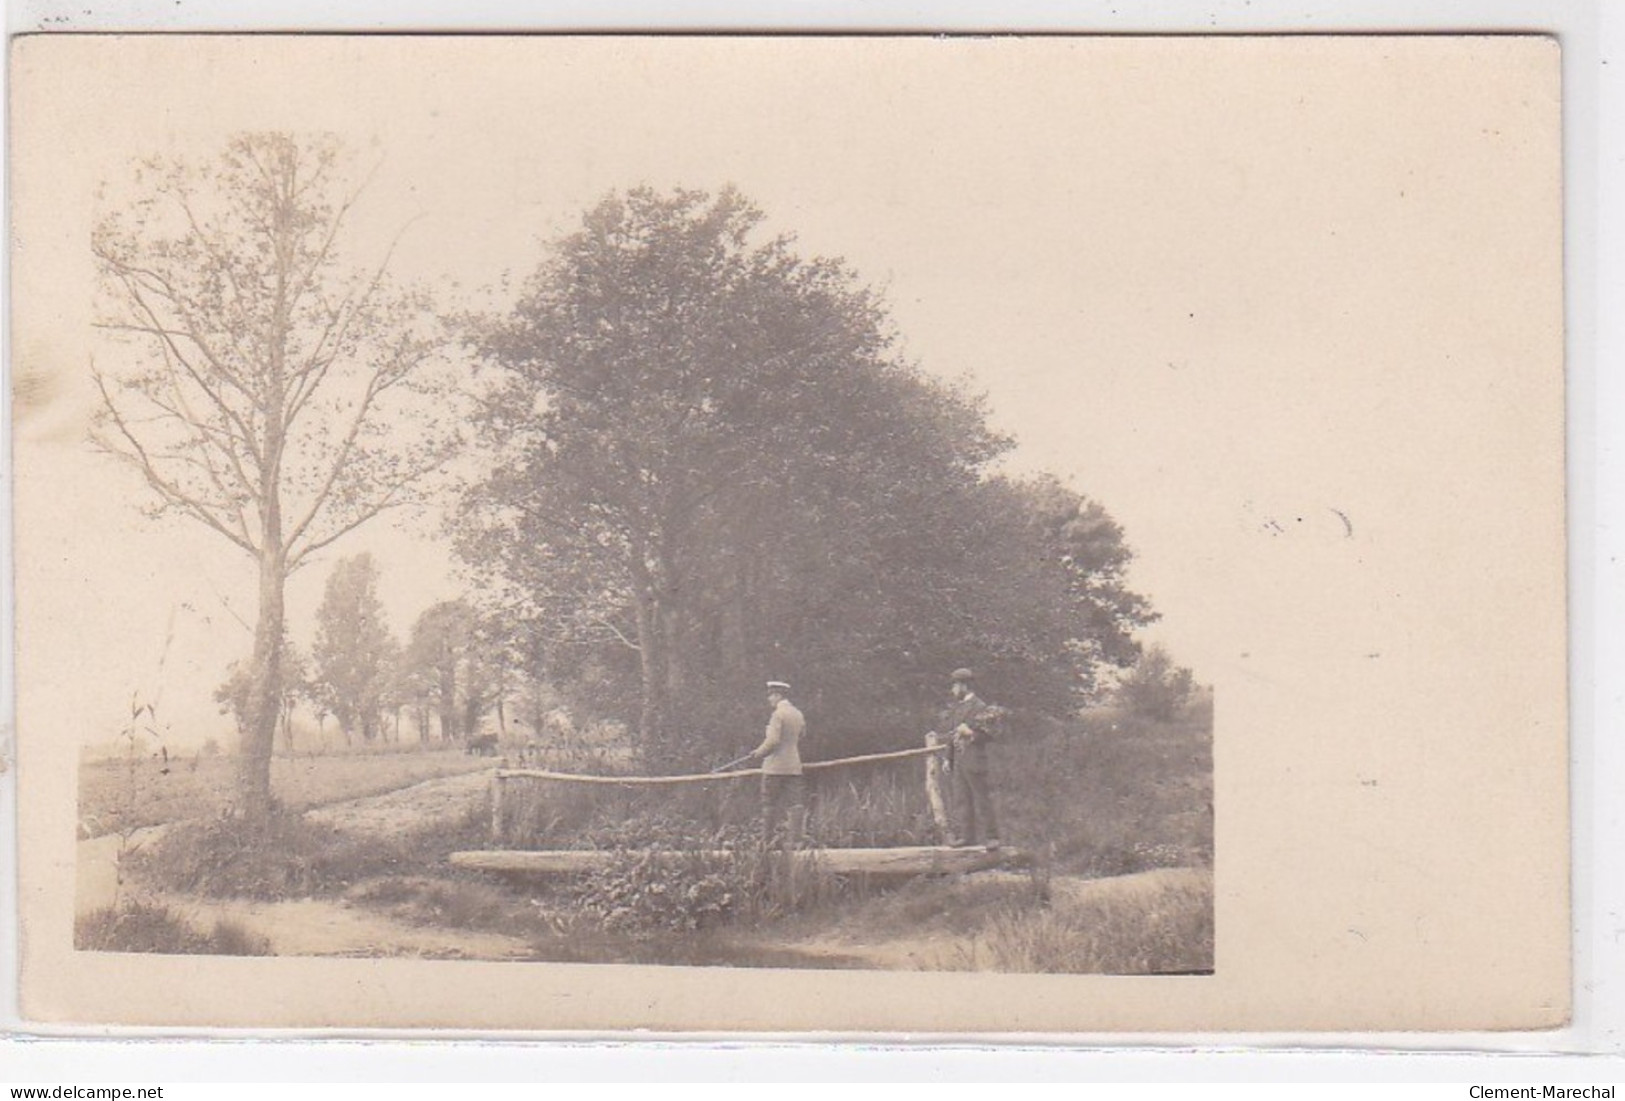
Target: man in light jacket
(783, 799)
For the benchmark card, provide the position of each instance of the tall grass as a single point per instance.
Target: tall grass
(1108, 795)
(1111, 795)
(876, 804)
(1166, 929)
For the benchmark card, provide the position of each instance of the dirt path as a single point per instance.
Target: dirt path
(333, 927)
(319, 926)
(96, 864)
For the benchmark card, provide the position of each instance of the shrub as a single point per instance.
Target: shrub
(232, 938)
(650, 890)
(638, 893)
(684, 881)
(145, 927)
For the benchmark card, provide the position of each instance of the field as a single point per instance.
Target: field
(117, 795)
(1116, 810)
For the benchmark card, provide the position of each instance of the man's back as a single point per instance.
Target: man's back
(784, 732)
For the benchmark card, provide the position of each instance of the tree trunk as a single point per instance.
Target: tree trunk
(735, 631)
(672, 594)
(287, 727)
(448, 700)
(651, 654)
(673, 639)
(254, 760)
(254, 765)
(652, 674)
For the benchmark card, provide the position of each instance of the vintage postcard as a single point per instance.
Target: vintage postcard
(837, 535)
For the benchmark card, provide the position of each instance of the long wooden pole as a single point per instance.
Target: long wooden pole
(707, 777)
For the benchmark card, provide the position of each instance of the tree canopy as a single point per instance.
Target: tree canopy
(712, 467)
(451, 666)
(355, 652)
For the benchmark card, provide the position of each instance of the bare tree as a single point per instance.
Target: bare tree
(277, 396)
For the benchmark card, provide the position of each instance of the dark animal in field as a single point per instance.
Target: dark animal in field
(483, 746)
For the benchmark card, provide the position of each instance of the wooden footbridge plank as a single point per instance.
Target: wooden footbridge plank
(905, 861)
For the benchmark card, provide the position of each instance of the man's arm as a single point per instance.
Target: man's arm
(775, 736)
(977, 724)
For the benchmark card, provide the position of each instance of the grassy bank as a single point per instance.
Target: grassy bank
(1117, 811)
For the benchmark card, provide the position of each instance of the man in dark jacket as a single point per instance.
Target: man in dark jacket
(972, 723)
(783, 796)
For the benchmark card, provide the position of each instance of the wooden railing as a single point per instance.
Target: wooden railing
(934, 748)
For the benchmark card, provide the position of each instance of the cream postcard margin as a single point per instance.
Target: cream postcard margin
(1390, 742)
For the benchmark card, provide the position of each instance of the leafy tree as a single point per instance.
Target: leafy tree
(274, 393)
(453, 665)
(688, 380)
(712, 466)
(355, 653)
(1057, 604)
(235, 693)
(1156, 687)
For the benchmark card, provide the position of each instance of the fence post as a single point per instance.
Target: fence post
(496, 807)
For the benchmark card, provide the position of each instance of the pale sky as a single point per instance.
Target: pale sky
(1196, 308)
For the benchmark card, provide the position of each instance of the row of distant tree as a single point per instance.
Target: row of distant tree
(687, 458)
(458, 669)
(442, 682)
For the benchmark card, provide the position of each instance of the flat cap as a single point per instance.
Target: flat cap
(963, 674)
(782, 686)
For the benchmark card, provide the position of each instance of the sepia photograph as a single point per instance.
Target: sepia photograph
(635, 511)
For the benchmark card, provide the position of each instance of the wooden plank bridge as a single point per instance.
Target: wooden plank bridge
(912, 860)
